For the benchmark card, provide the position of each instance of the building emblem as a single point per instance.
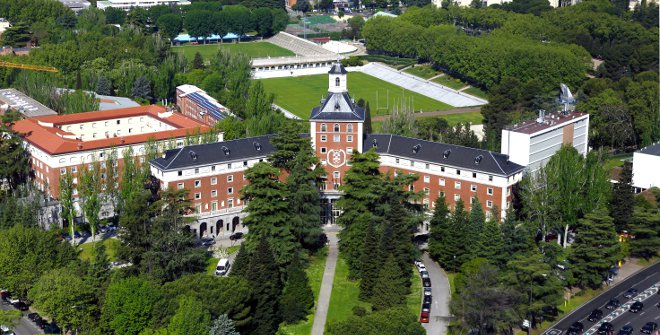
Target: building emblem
(336, 157)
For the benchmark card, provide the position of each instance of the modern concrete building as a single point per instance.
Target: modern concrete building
(128, 4)
(467, 3)
(11, 98)
(4, 24)
(194, 103)
(214, 173)
(76, 5)
(532, 143)
(58, 144)
(645, 167)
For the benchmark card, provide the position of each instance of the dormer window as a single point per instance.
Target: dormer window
(336, 127)
(337, 81)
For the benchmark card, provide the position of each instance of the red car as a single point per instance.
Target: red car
(424, 317)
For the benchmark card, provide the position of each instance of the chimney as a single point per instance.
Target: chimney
(541, 116)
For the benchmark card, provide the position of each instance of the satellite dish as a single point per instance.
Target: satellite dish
(566, 98)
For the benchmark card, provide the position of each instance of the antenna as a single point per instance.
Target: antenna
(567, 99)
(541, 117)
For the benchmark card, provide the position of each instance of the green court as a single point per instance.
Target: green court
(252, 49)
(300, 94)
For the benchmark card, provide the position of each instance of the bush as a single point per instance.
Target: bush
(359, 311)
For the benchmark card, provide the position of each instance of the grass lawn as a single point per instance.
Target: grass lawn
(423, 71)
(211, 263)
(414, 299)
(477, 92)
(344, 294)
(320, 19)
(111, 247)
(315, 276)
(300, 94)
(252, 49)
(450, 82)
(451, 277)
(616, 160)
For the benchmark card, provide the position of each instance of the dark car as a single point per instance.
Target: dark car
(236, 236)
(595, 315)
(33, 316)
(77, 235)
(426, 282)
(606, 328)
(426, 309)
(575, 329)
(52, 328)
(427, 299)
(426, 305)
(649, 328)
(21, 306)
(636, 307)
(613, 303)
(626, 330)
(424, 274)
(630, 293)
(428, 291)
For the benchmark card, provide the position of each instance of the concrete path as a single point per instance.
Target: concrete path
(326, 285)
(419, 85)
(440, 314)
(286, 113)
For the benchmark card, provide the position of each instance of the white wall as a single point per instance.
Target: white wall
(517, 146)
(645, 170)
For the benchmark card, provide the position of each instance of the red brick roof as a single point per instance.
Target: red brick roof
(51, 140)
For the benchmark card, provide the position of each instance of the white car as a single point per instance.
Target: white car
(427, 291)
(421, 267)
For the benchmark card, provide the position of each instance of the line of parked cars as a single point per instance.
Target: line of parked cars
(425, 313)
(48, 327)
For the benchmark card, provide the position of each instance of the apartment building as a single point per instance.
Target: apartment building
(194, 103)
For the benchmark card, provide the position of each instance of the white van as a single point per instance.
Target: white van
(222, 268)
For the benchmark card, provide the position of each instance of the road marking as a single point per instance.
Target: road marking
(554, 331)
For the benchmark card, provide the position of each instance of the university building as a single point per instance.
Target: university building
(58, 144)
(214, 173)
(194, 103)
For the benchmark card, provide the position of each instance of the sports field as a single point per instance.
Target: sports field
(252, 49)
(300, 94)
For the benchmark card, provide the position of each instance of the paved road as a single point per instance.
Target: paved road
(25, 326)
(646, 281)
(326, 285)
(439, 319)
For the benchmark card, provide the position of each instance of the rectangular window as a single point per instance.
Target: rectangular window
(349, 150)
(324, 150)
(490, 191)
(442, 182)
(213, 168)
(94, 135)
(230, 190)
(198, 183)
(63, 171)
(474, 175)
(412, 163)
(198, 208)
(441, 193)
(196, 170)
(473, 200)
(427, 179)
(245, 163)
(214, 206)
(118, 121)
(426, 191)
(457, 185)
(473, 188)
(336, 138)
(489, 204)
(230, 178)
(179, 173)
(349, 138)
(214, 181)
(442, 169)
(198, 196)
(179, 186)
(458, 172)
(490, 178)
(427, 166)
(214, 193)
(324, 138)
(508, 190)
(230, 203)
(335, 175)
(74, 169)
(396, 160)
(457, 197)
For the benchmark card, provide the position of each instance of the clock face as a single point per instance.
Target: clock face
(336, 157)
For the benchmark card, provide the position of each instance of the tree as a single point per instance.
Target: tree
(356, 23)
(241, 263)
(302, 6)
(267, 289)
(141, 88)
(289, 145)
(268, 212)
(460, 221)
(441, 247)
(129, 305)
(390, 288)
(645, 226)
(115, 15)
(90, 193)
(10, 317)
(26, 253)
(15, 168)
(623, 202)
(393, 321)
(63, 295)
(223, 325)
(240, 20)
(263, 19)
(18, 35)
(297, 297)
(191, 318)
(370, 261)
(170, 25)
(473, 231)
(98, 271)
(595, 249)
(104, 86)
(491, 241)
(401, 121)
(66, 192)
(261, 118)
(198, 61)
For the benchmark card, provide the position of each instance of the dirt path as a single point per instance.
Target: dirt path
(381, 118)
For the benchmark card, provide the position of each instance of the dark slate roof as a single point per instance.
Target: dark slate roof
(337, 68)
(653, 149)
(338, 106)
(213, 153)
(433, 152)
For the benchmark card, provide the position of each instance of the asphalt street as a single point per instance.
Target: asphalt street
(439, 319)
(646, 281)
(24, 326)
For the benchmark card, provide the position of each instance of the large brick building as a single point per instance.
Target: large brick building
(194, 103)
(214, 173)
(58, 144)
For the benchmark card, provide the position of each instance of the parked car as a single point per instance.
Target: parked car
(631, 292)
(76, 235)
(4, 330)
(426, 282)
(52, 328)
(236, 236)
(626, 330)
(649, 328)
(223, 267)
(4, 294)
(41, 323)
(21, 306)
(424, 274)
(33, 316)
(421, 267)
(606, 328)
(426, 305)
(207, 241)
(613, 303)
(636, 307)
(575, 329)
(595, 315)
(424, 317)
(427, 299)
(426, 309)
(427, 291)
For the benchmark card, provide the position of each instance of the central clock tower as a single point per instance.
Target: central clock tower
(336, 128)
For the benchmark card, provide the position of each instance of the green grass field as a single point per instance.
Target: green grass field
(450, 82)
(315, 276)
(320, 19)
(252, 49)
(616, 160)
(300, 94)
(414, 299)
(454, 119)
(476, 92)
(422, 71)
(344, 294)
(111, 247)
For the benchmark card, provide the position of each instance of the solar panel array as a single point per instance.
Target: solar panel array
(216, 111)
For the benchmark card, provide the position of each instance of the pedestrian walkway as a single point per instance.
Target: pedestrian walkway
(419, 85)
(286, 113)
(323, 302)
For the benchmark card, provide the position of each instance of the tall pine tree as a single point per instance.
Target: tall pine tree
(390, 288)
(264, 278)
(297, 297)
(491, 244)
(473, 231)
(623, 201)
(370, 262)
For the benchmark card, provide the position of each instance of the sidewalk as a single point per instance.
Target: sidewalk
(326, 285)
